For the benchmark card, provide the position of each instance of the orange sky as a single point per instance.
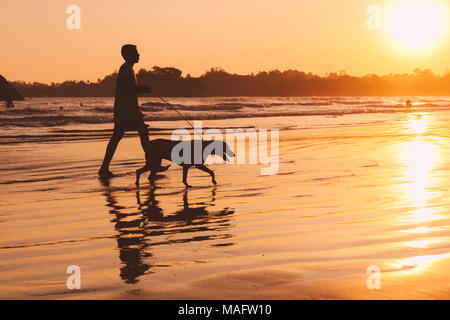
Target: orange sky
(242, 36)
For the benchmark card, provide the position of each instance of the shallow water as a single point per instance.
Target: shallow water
(63, 119)
(351, 191)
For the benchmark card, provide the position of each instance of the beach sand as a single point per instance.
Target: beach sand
(345, 198)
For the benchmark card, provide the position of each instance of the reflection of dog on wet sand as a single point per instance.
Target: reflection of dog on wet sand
(162, 149)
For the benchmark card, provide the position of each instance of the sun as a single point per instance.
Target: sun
(417, 24)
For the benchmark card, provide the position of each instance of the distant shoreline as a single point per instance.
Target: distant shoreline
(169, 82)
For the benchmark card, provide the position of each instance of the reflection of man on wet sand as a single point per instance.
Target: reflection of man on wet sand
(133, 246)
(137, 228)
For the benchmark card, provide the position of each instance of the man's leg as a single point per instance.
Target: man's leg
(110, 150)
(145, 142)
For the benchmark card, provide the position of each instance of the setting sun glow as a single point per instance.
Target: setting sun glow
(417, 24)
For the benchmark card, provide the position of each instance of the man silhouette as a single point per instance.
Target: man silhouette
(127, 116)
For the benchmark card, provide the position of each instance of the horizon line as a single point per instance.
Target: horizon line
(184, 75)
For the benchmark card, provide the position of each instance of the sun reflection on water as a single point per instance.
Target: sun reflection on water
(419, 156)
(420, 230)
(418, 123)
(419, 263)
(421, 243)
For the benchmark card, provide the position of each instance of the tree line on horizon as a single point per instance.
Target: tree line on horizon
(170, 82)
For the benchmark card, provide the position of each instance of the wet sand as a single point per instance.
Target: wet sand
(345, 198)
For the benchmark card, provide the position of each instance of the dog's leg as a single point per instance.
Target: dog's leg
(154, 166)
(207, 170)
(185, 173)
(139, 172)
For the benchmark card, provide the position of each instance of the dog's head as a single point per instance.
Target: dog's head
(227, 151)
(222, 148)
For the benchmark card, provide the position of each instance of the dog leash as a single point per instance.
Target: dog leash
(174, 109)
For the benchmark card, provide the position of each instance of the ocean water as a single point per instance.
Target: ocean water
(362, 181)
(69, 119)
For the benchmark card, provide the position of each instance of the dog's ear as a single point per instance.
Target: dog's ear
(228, 150)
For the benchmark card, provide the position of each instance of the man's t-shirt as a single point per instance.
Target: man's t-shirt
(126, 111)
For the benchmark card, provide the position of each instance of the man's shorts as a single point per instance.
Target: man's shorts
(129, 125)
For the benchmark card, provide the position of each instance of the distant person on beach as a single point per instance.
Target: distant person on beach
(127, 116)
(408, 104)
(8, 93)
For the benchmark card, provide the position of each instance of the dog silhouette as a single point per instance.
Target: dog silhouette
(188, 156)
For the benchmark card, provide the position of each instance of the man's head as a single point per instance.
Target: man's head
(129, 53)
